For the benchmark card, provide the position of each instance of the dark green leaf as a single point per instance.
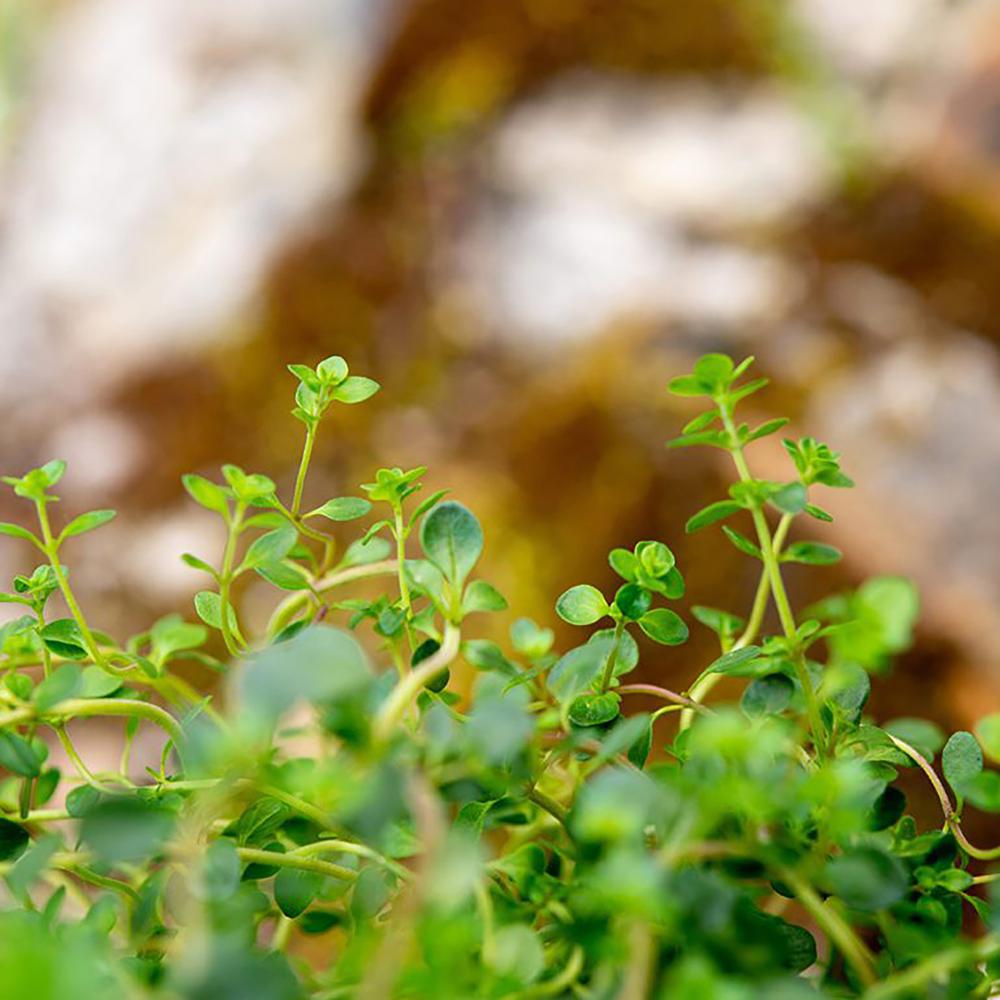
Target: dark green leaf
(13, 838)
(18, 755)
(813, 553)
(594, 709)
(664, 626)
(961, 760)
(452, 540)
(736, 661)
(633, 600)
(712, 513)
(767, 695)
(742, 542)
(294, 890)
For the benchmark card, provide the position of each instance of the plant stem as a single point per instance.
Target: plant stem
(950, 816)
(408, 687)
(767, 550)
(939, 964)
(226, 579)
(302, 863)
(52, 551)
(555, 809)
(665, 693)
(704, 684)
(79, 707)
(294, 603)
(300, 478)
(609, 664)
(834, 926)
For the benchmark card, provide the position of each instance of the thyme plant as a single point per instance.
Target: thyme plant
(339, 822)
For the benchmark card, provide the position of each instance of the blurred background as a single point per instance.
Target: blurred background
(522, 217)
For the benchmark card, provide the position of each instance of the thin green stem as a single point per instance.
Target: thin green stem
(777, 585)
(408, 687)
(833, 925)
(609, 664)
(74, 708)
(51, 549)
(905, 983)
(300, 478)
(704, 684)
(294, 603)
(336, 846)
(555, 809)
(226, 580)
(302, 863)
(951, 819)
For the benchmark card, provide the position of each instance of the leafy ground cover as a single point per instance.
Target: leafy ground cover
(540, 838)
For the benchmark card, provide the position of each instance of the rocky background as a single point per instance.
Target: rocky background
(522, 217)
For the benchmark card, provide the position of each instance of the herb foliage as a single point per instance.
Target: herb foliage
(537, 839)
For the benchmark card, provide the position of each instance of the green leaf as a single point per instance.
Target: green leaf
(742, 542)
(988, 732)
(712, 513)
(96, 682)
(516, 954)
(482, 596)
(126, 829)
(581, 605)
(922, 735)
(62, 683)
(171, 634)
(817, 512)
(86, 522)
(269, 548)
(633, 600)
(342, 509)
(64, 638)
(624, 563)
(867, 878)
(16, 531)
(18, 755)
(452, 540)
(13, 839)
(260, 820)
(984, 791)
(790, 499)
(812, 553)
(664, 626)
(294, 890)
(355, 389)
(203, 491)
(722, 623)
(208, 606)
(332, 370)
(961, 760)
(530, 639)
(220, 871)
(767, 695)
(319, 664)
(594, 709)
(283, 574)
(362, 553)
(736, 661)
(766, 428)
(688, 385)
(574, 673)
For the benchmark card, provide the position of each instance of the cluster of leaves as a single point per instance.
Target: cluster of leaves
(326, 827)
